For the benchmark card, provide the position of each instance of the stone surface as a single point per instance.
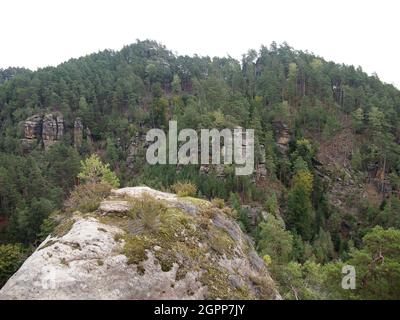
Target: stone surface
(32, 127)
(47, 129)
(109, 206)
(52, 129)
(170, 198)
(28, 145)
(78, 132)
(136, 192)
(282, 134)
(262, 154)
(194, 255)
(261, 171)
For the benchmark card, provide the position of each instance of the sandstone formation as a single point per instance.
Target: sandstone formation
(78, 132)
(43, 129)
(282, 134)
(48, 129)
(32, 127)
(192, 250)
(52, 129)
(32, 132)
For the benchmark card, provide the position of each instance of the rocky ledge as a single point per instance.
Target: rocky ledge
(144, 244)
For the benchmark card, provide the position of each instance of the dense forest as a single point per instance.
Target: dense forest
(325, 192)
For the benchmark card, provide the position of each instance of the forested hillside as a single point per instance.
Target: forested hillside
(325, 191)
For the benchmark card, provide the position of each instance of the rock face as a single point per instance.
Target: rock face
(262, 154)
(52, 129)
(78, 132)
(145, 244)
(32, 127)
(47, 130)
(32, 132)
(282, 134)
(261, 172)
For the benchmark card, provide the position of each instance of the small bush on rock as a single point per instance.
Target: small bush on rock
(87, 197)
(219, 203)
(184, 189)
(147, 209)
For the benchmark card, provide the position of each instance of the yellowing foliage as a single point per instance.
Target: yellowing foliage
(304, 178)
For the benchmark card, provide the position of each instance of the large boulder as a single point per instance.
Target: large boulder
(145, 244)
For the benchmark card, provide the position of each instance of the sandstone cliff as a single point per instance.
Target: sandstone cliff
(48, 129)
(44, 129)
(144, 244)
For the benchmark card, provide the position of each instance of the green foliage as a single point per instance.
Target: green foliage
(271, 205)
(301, 281)
(300, 213)
(94, 171)
(242, 213)
(135, 249)
(11, 258)
(377, 265)
(300, 165)
(274, 241)
(218, 202)
(26, 222)
(111, 152)
(184, 188)
(358, 119)
(388, 216)
(147, 210)
(376, 119)
(87, 197)
(62, 165)
(119, 95)
(323, 247)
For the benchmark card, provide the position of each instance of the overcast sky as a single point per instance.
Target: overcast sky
(47, 32)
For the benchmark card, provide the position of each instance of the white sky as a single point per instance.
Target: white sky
(37, 33)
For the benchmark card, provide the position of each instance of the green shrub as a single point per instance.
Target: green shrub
(147, 209)
(87, 197)
(184, 188)
(219, 203)
(94, 171)
(135, 248)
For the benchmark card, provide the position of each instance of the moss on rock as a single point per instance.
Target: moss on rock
(201, 242)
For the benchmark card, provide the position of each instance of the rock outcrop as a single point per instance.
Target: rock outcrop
(145, 244)
(282, 135)
(52, 129)
(43, 129)
(32, 132)
(78, 132)
(48, 129)
(32, 127)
